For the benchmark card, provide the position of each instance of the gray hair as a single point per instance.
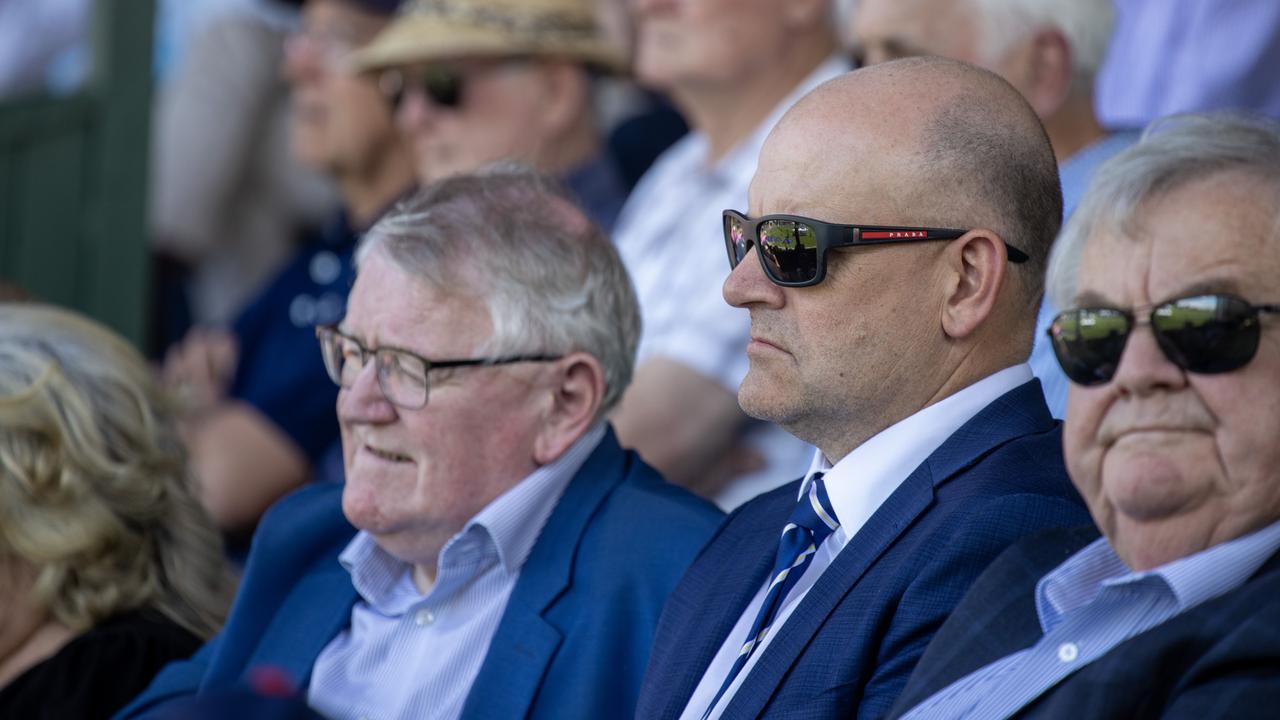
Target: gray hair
(1172, 153)
(1086, 24)
(552, 281)
(95, 493)
(993, 166)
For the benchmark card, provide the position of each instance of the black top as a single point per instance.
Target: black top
(98, 672)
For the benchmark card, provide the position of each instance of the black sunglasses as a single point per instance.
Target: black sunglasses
(1205, 334)
(793, 249)
(442, 85)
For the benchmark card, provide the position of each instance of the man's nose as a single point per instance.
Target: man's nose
(747, 285)
(364, 401)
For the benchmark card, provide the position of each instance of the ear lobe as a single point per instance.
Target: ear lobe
(978, 262)
(576, 391)
(565, 92)
(1051, 71)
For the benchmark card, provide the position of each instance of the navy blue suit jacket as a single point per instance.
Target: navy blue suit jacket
(1217, 660)
(852, 642)
(576, 632)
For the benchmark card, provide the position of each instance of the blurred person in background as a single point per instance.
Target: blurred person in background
(731, 67)
(109, 567)
(1190, 56)
(259, 405)
(228, 201)
(476, 81)
(1050, 50)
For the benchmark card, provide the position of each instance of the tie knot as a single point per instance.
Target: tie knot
(814, 511)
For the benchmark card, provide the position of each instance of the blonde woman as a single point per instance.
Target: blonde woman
(108, 566)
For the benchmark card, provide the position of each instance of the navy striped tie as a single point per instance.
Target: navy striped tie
(810, 523)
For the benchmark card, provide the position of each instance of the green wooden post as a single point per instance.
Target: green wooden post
(73, 179)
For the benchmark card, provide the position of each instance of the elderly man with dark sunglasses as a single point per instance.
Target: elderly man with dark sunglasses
(508, 558)
(1168, 273)
(890, 260)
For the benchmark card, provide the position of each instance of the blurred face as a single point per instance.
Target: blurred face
(1172, 462)
(692, 43)
(414, 477)
(822, 356)
(498, 116)
(884, 30)
(341, 124)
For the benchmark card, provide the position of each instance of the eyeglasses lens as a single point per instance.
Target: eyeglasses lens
(1089, 342)
(443, 87)
(789, 249)
(1205, 334)
(401, 377)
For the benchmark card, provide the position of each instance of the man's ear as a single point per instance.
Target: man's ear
(576, 388)
(977, 263)
(566, 88)
(1050, 71)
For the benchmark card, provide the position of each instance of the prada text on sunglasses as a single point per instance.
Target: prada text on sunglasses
(1206, 334)
(793, 249)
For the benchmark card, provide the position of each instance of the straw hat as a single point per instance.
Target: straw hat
(427, 30)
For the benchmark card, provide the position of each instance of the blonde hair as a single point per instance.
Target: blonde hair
(95, 494)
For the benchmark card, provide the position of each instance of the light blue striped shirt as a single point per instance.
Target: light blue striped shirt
(1087, 606)
(410, 655)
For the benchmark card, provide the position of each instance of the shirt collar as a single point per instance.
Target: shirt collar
(862, 480)
(1192, 580)
(506, 528)
(515, 519)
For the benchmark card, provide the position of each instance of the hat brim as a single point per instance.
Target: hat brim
(417, 39)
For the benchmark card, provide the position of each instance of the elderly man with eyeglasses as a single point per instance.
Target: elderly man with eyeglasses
(890, 262)
(1168, 273)
(508, 559)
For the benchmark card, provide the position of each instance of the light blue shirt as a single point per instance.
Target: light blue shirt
(412, 655)
(1170, 56)
(1087, 606)
(1075, 174)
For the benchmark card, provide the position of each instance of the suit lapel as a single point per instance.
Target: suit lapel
(1018, 412)
(306, 626)
(524, 643)
(709, 620)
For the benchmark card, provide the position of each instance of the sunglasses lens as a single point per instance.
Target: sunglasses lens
(1089, 342)
(443, 87)
(735, 236)
(789, 250)
(1208, 333)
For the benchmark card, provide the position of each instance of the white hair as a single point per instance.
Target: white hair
(551, 280)
(1173, 152)
(1086, 24)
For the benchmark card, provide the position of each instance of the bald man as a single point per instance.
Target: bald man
(891, 260)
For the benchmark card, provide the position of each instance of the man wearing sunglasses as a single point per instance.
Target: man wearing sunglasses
(890, 261)
(1050, 50)
(477, 81)
(512, 559)
(1170, 337)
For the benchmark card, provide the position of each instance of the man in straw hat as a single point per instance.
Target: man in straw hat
(476, 81)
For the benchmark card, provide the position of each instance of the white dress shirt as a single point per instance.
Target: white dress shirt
(408, 654)
(671, 239)
(858, 484)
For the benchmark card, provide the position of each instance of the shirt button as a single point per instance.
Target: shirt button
(424, 617)
(1068, 652)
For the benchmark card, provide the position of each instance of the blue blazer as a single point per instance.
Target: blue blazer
(851, 643)
(576, 632)
(1217, 660)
